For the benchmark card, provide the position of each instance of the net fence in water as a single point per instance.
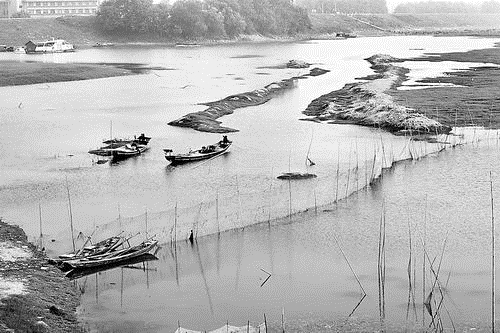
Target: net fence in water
(233, 206)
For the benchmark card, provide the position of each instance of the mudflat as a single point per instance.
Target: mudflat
(13, 73)
(474, 100)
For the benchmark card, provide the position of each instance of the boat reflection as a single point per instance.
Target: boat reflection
(82, 272)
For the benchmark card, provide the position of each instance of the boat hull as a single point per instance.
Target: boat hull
(195, 156)
(114, 260)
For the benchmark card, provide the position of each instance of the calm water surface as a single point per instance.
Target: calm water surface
(47, 130)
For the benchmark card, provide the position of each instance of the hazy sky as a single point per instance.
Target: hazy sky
(391, 4)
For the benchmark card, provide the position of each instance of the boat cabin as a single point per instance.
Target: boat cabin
(30, 47)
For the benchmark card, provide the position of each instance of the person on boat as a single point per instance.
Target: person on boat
(225, 140)
(191, 237)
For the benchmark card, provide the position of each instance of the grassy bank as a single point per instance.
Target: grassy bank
(35, 296)
(82, 31)
(14, 73)
(475, 98)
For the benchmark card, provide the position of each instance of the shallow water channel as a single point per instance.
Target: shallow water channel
(47, 130)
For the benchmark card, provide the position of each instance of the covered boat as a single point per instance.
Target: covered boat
(207, 152)
(54, 46)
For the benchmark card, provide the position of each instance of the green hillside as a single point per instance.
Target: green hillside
(410, 23)
(81, 31)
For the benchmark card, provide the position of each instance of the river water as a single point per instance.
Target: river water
(47, 130)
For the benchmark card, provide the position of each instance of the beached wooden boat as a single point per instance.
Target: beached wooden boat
(105, 246)
(114, 257)
(296, 175)
(207, 152)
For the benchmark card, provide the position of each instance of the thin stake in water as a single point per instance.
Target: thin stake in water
(70, 215)
(492, 257)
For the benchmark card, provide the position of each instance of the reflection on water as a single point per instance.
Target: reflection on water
(47, 130)
(220, 277)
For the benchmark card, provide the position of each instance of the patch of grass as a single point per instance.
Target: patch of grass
(476, 100)
(17, 73)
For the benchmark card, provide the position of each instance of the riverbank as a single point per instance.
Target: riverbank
(83, 32)
(34, 296)
(13, 73)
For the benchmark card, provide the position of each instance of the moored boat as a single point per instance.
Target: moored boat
(54, 46)
(114, 257)
(105, 246)
(113, 144)
(207, 152)
(296, 175)
(127, 151)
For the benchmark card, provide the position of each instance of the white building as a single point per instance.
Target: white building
(47, 8)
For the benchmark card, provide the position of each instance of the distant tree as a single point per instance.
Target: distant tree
(490, 6)
(160, 19)
(125, 15)
(234, 24)
(214, 20)
(435, 7)
(187, 19)
(345, 6)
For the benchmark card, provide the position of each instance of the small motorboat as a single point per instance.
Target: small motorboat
(99, 44)
(205, 152)
(113, 144)
(127, 151)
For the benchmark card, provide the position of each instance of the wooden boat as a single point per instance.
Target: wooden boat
(296, 175)
(112, 144)
(127, 151)
(207, 152)
(106, 246)
(99, 44)
(140, 140)
(114, 257)
(77, 273)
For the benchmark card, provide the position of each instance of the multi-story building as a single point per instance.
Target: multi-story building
(8, 8)
(45, 8)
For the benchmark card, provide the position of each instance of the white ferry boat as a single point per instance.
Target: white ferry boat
(54, 46)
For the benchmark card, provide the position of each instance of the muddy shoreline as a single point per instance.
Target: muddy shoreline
(34, 296)
(13, 73)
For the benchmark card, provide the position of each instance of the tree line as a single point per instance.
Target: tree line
(428, 7)
(345, 6)
(193, 19)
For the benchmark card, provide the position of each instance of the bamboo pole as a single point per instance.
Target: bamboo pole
(70, 215)
(492, 257)
(217, 211)
(41, 234)
(338, 171)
